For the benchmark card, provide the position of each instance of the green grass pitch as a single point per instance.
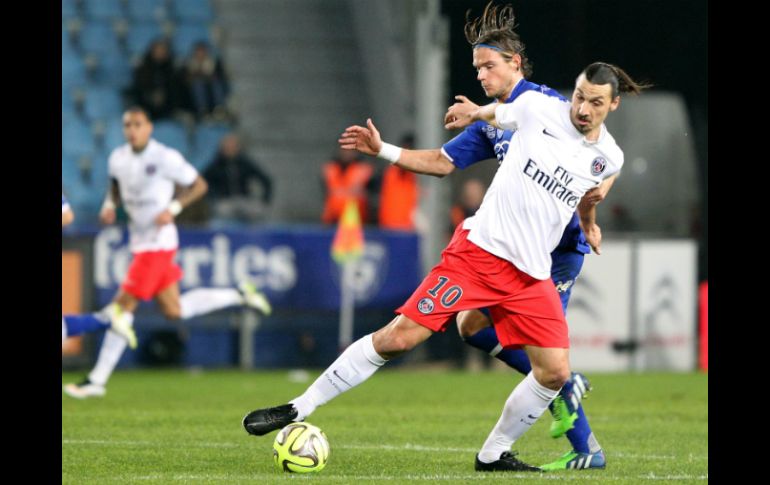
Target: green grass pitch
(401, 426)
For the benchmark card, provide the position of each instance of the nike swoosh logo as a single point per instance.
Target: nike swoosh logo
(549, 134)
(531, 417)
(340, 378)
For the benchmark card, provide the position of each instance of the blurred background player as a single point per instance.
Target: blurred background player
(143, 175)
(345, 177)
(502, 66)
(72, 325)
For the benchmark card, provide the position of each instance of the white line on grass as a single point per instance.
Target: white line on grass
(462, 478)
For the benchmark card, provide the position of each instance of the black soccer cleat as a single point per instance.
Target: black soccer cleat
(263, 421)
(507, 463)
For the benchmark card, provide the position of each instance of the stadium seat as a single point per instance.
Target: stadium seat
(193, 10)
(172, 134)
(103, 9)
(186, 35)
(73, 72)
(206, 143)
(147, 10)
(77, 138)
(69, 9)
(103, 103)
(114, 71)
(99, 38)
(140, 36)
(113, 135)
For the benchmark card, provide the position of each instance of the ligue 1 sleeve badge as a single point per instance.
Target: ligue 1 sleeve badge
(598, 166)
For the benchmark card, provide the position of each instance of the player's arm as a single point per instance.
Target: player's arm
(587, 212)
(185, 197)
(466, 112)
(367, 140)
(111, 201)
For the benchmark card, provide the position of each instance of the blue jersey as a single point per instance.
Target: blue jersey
(482, 141)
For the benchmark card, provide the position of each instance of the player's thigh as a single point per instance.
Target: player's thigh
(469, 322)
(168, 301)
(400, 335)
(127, 301)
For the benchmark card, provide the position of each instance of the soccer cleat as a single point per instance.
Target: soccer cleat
(254, 299)
(577, 461)
(263, 421)
(122, 326)
(564, 408)
(507, 463)
(85, 389)
(563, 419)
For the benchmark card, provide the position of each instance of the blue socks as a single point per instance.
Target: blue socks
(79, 324)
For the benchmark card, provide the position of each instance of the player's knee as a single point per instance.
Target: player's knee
(553, 377)
(470, 322)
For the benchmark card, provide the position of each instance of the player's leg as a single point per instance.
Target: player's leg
(475, 328)
(200, 301)
(567, 408)
(355, 365)
(113, 346)
(528, 401)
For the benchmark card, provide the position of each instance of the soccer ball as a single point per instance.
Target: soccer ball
(302, 448)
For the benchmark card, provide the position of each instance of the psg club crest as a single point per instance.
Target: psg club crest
(425, 306)
(598, 166)
(150, 169)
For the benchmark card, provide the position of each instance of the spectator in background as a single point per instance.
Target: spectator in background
(399, 194)
(206, 83)
(345, 177)
(238, 188)
(156, 85)
(471, 195)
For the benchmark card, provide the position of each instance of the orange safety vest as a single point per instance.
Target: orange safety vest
(398, 199)
(343, 185)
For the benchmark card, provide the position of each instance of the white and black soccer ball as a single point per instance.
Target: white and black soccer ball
(301, 448)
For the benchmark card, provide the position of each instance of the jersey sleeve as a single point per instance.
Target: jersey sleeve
(509, 116)
(470, 146)
(177, 169)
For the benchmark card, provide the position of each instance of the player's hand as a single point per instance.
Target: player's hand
(460, 114)
(593, 235)
(365, 140)
(596, 195)
(165, 217)
(107, 216)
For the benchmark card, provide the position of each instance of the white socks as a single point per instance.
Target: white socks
(109, 355)
(205, 300)
(354, 366)
(527, 402)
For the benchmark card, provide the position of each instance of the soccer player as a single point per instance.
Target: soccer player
(72, 325)
(144, 174)
(503, 68)
(501, 257)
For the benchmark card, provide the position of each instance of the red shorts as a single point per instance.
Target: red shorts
(150, 273)
(525, 310)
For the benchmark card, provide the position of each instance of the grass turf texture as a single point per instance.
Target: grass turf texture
(401, 426)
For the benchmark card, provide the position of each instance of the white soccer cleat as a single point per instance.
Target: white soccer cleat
(121, 325)
(85, 390)
(254, 298)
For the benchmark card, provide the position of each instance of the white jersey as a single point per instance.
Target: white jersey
(548, 168)
(146, 181)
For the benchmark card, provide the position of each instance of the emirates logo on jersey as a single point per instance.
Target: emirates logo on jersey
(150, 169)
(598, 166)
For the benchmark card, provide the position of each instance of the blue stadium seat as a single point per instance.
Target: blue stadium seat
(114, 71)
(99, 38)
(193, 10)
(69, 9)
(172, 134)
(77, 139)
(145, 10)
(103, 9)
(113, 135)
(73, 72)
(140, 36)
(103, 103)
(186, 35)
(207, 139)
